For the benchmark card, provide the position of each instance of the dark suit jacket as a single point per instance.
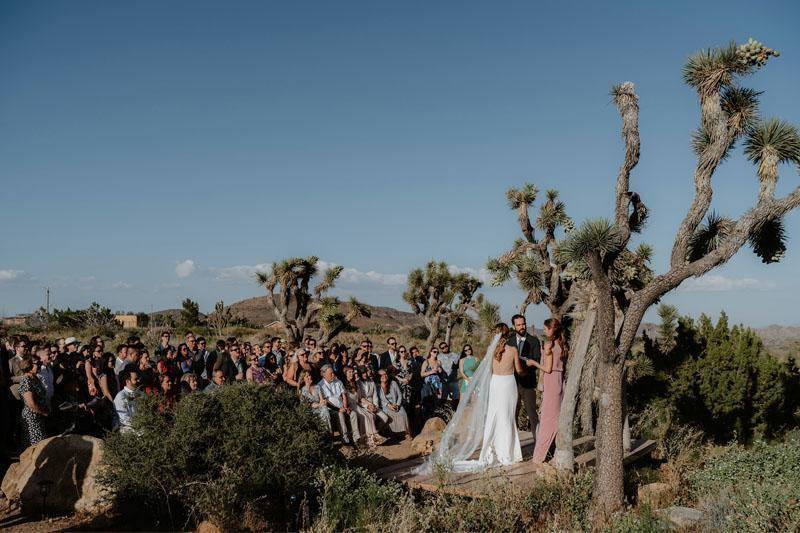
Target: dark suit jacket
(531, 349)
(380, 362)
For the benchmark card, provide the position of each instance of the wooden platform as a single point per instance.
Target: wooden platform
(521, 475)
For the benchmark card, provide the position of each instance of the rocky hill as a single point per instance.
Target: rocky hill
(256, 311)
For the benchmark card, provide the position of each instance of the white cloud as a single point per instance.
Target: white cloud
(239, 273)
(717, 283)
(167, 286)
(357, 277)
(482, 273)
(184, 269)
(9, 275)
(123, 285)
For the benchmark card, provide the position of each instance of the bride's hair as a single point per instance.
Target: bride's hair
(558, 335)
(504, 332)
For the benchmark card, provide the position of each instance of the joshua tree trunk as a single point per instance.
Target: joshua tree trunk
(448, 332)
(564, 458)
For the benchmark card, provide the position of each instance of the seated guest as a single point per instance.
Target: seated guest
(161, 350)
(34, 399)
(333, 392)
(189, 383)
(217, 381)
(367, 419)
(169, 394)
(309, 393)
(392, 404)
(292, 375)
(125, 401)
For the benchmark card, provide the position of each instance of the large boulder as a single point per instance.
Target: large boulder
(656, 495)
(429, 437)
(66, 468)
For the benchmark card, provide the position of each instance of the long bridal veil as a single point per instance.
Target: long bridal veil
(464, 433)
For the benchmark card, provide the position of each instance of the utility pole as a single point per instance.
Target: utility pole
(47, 299)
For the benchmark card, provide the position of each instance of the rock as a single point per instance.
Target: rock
(682, 517)
(66, 467)
(429, 437)
(656, 495)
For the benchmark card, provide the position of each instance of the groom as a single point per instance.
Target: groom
(529, 350)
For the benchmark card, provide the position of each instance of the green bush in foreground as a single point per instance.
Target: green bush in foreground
(751, 489)
(241, 456)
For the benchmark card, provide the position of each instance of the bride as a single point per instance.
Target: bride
(485, 416)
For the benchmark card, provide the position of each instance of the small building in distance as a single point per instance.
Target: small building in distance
(18, 320)
(127, 321)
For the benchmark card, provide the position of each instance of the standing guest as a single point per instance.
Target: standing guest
(449, 363)
(185, 358)
(310, 344)
(387, 359)
(266, 351)
(332, 390)
(201, 359)
(529, 351)
(15, 371)
(234, 366)
(466, 367)
(279, 352)
(34, 400)
(219, 354)
(45, 374)
(392, 404)
(431, 375)
(416, 357)
(122, 358)
(90, 365)
(126, 398)
(309, 393)
(365, 411)
(161, 350)
(255, 374)
(61, 345)
(169, 365)
(217, 381)
(148, 378)
(554, 353)
(405, 374)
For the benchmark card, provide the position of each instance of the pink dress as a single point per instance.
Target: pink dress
(551, 406)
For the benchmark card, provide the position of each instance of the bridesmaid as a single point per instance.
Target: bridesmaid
(466, 367)
(554, 353)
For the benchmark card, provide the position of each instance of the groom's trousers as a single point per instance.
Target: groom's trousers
(527, 396)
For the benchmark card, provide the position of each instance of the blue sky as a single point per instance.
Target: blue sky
(151, 151)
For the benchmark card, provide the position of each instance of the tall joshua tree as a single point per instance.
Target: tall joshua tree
(728, 112)
(298, 307)
(440, 297)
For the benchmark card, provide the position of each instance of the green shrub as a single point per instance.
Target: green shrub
(751, 489)
(354, 498)
(642, 520)
(243, 452)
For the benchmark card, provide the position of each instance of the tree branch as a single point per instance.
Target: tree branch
(628, 104)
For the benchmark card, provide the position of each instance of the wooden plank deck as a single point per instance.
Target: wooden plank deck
(521, 475)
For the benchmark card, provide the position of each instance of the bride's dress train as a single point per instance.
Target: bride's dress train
(484, 419)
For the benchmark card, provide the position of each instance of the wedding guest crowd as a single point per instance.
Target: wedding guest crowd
(364, 396)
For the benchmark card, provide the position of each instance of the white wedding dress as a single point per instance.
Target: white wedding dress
(484, 419)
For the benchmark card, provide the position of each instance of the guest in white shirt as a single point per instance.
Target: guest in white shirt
(333, 392)
(125, 400)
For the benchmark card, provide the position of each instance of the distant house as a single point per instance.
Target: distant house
(18, 320)
(127, 321)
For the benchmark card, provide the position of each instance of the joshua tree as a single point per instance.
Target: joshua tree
(438, 295)
(296, 306)
(530, 260)
(220, 318)
(728, 112)
(333, 319)
(488, 315)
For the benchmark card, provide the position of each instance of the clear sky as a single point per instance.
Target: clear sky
(155, 150)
